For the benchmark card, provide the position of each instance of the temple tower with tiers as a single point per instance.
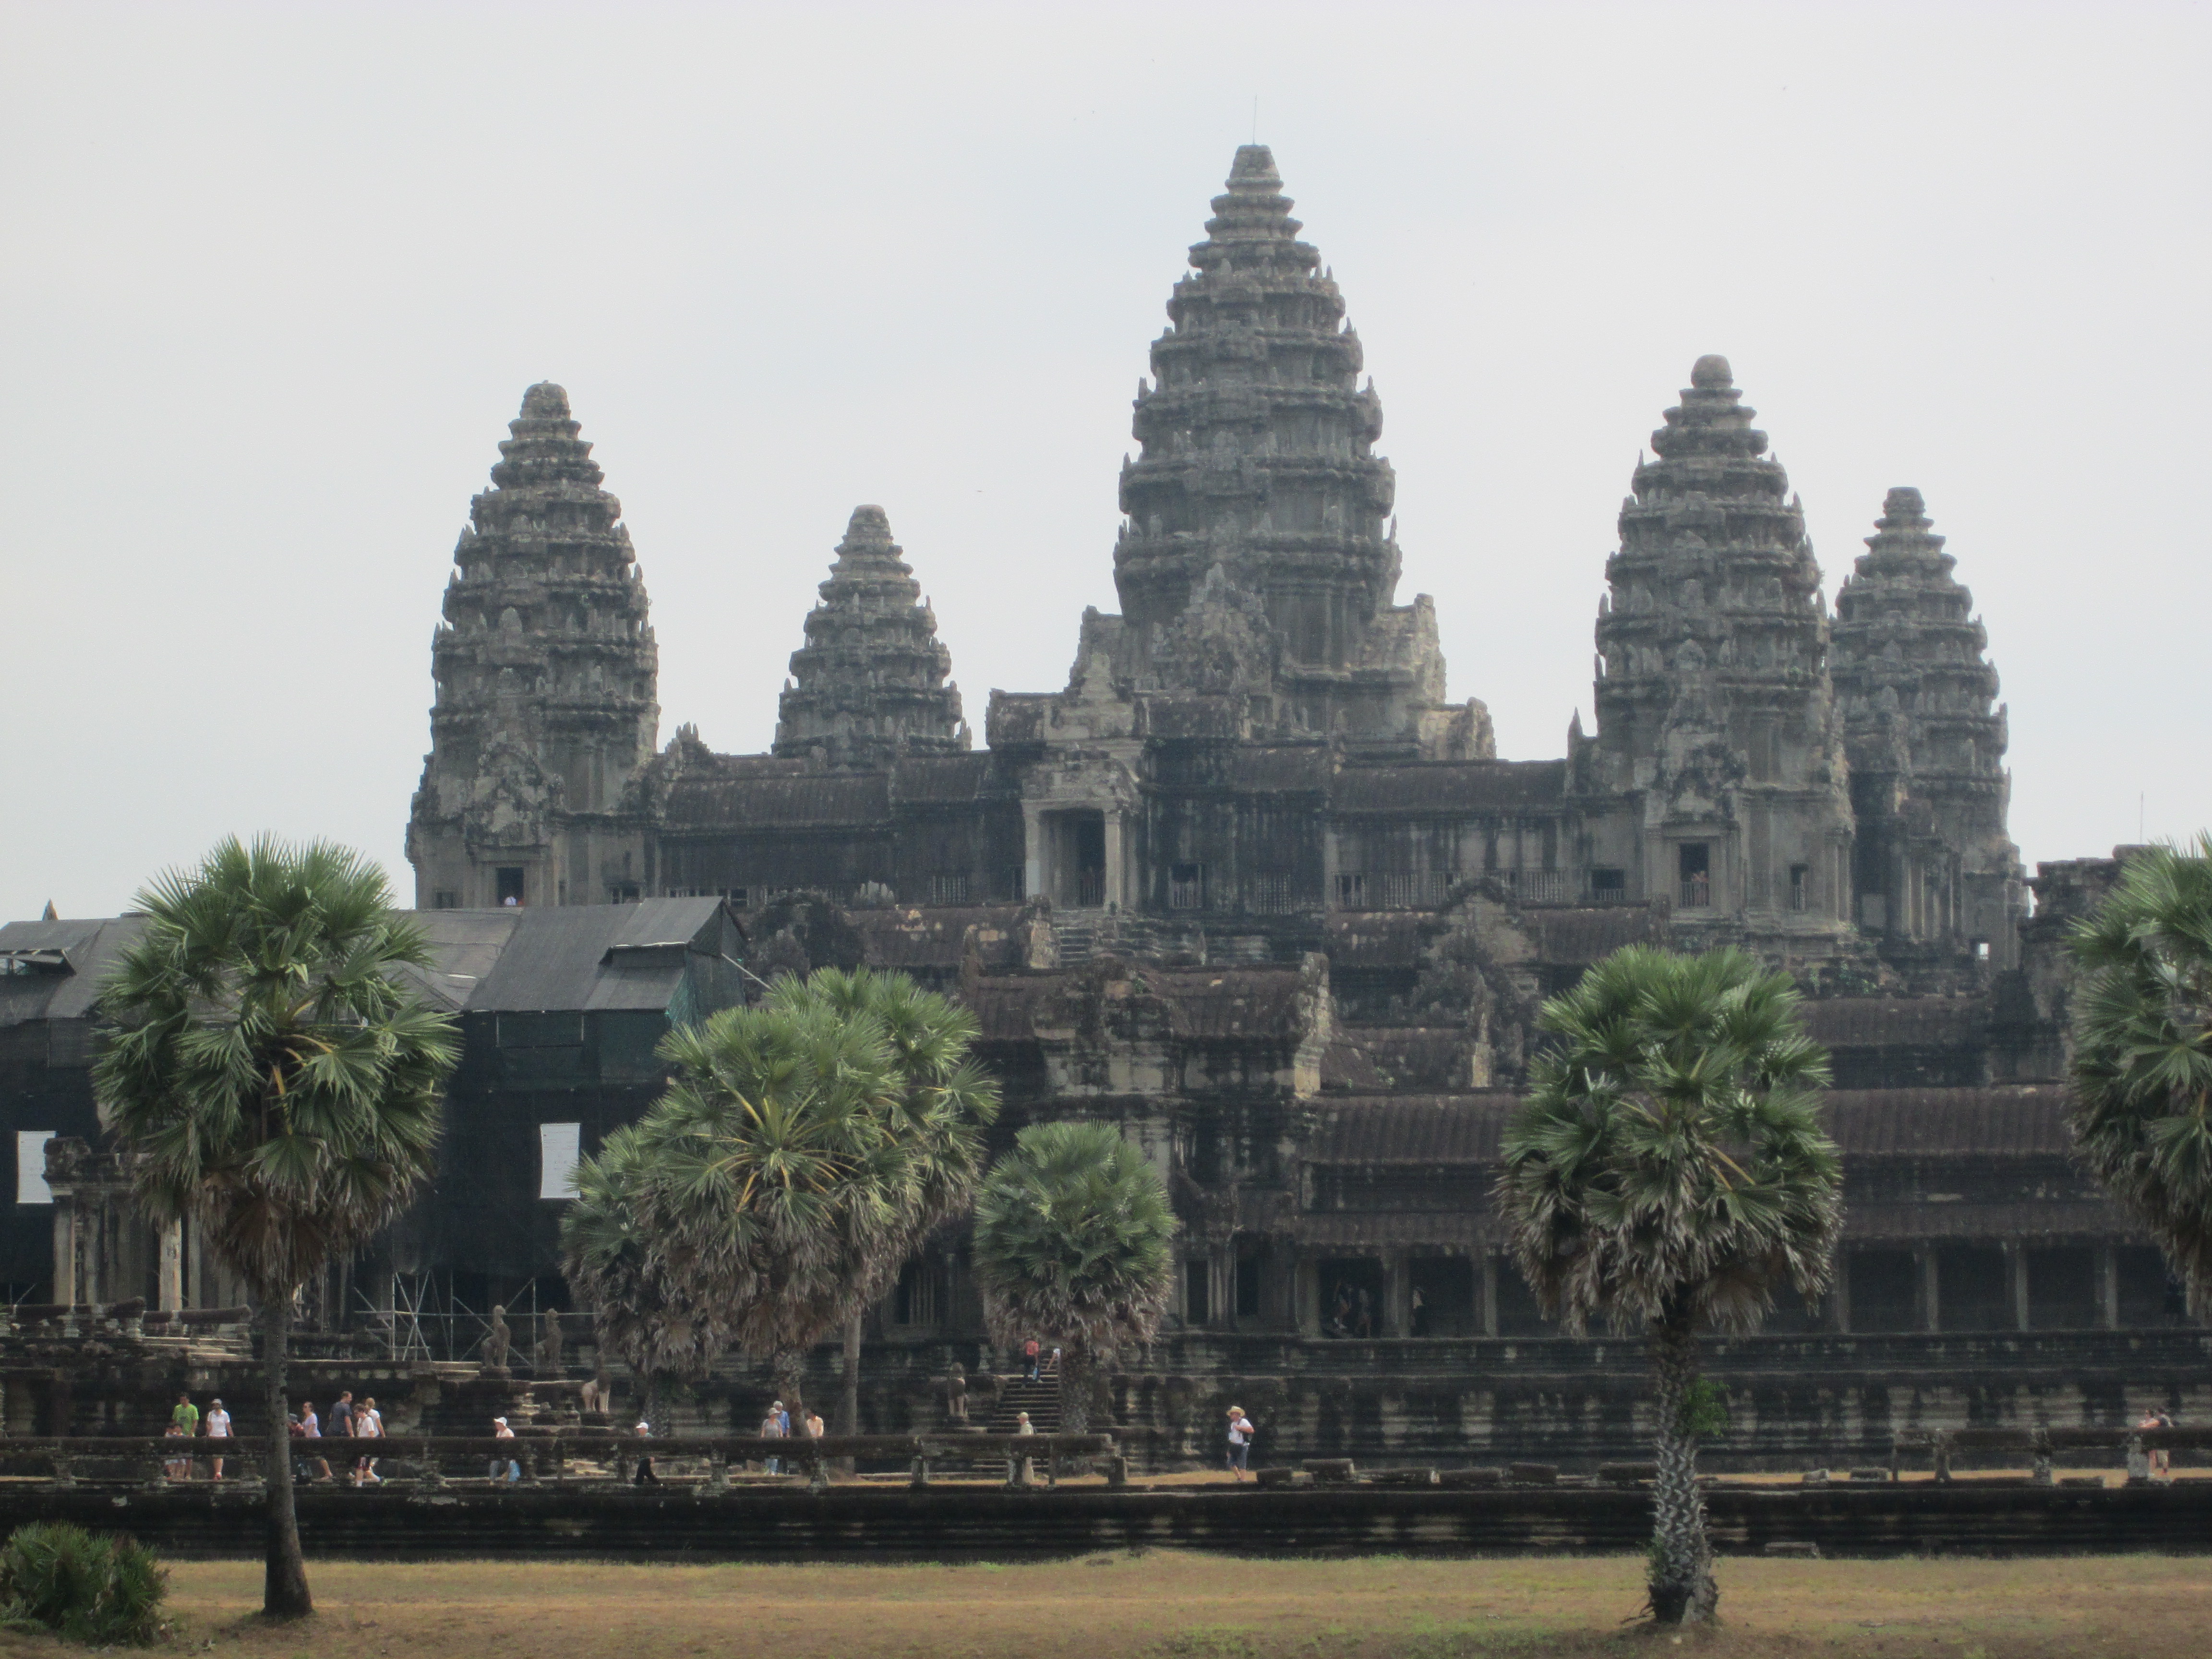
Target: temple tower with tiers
(870, 683)
(1939, 880)
(1258, 553)
(546, 675)
(1717, 770)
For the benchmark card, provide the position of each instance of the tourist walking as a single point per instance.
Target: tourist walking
(773, 1428)
(218, 1428)
(1030, 1352)
(814, 1424)
(311, 1428)
(342, 1417)
(645, 1476)
(185, 1415)
(1017, 1468)
(368, 1425)
(500, 1431)
(1240, 1441)
(178, 1468)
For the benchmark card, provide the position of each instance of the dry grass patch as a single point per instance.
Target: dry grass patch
(1168, 1605)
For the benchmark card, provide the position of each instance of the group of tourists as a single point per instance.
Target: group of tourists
(776, 1425)
(348, 1421)
(185, 1423)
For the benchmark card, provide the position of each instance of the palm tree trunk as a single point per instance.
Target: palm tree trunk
(284, 1586)
(848, 1401)
(1681, 1574)
(1074, 1389)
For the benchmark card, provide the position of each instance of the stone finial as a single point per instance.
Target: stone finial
(1712, 373)
(1254, 165)
(1903, 509)
(545, 402)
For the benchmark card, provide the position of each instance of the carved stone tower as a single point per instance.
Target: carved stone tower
(1718, 739)
(869, 683)
(546, 675)
(1259, 477)
(1939, 879)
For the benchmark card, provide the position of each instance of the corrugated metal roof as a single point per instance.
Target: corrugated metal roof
(466, 944)
(1470, 788)
(780, 801)
(559, 957)
(87, 948)
(1884, 1022)
(1279, 768)
(1412, 1129)
(2056, 1218)
(2014, 1120)
(2011, 1120)
(948, 779)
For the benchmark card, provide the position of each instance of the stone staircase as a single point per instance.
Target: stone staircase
(1075, 934)
(1040, 1398)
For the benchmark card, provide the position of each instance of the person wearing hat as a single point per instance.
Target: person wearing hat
(1241, 1430)
(218, 1428)
(645, 1475)
(773, 1426)
(500, 1431)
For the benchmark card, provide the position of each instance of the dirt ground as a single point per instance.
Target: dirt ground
(1166, 1605)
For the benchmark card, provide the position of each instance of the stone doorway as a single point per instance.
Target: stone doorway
(1075, 858)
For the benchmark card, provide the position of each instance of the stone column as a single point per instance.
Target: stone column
(1488, 1292)
(172, 1267)
(1931, 1304)
(2108, 1286)
(1397, 1294)
(65, 1249)
(1032, 850)
(2016, 1276)
(1115, 883)
(1841, 1293)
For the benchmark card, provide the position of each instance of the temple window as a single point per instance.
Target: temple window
(1693, 861)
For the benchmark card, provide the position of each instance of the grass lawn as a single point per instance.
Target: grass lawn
(1166, 1605)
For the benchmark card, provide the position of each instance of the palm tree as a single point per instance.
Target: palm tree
(803, 1151)
(642, 1315)
(2142, 1053)
(275, 1084)
(1074, 1245)
(1667, 1172)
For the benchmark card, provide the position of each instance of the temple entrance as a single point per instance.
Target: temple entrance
(1075, 858)
(1351, 1296)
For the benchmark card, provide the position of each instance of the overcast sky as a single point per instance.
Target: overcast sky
(272, 281)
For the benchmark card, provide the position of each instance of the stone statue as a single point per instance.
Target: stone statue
(548, 1357)
(497, 1340)
(599, 1393)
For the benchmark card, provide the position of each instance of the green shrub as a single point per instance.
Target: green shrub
(92, 1588)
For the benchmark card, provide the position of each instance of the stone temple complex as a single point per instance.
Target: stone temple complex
(1251, 885)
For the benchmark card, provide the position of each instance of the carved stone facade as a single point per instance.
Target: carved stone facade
(546, 675)
(869, 684)
(1926, 743)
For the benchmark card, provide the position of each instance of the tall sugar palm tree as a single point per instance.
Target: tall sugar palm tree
(2142, 1053)
(1075, 1244)
(804, 1149)
(643, 1313)
(1666, 1173)
(275, 1081)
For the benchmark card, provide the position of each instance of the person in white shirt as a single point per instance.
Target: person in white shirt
(368, 1425)
(1241, 1429)
(218, 1428)
(500, 1431)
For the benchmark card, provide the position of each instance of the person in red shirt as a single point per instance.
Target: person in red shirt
(1030, 1351)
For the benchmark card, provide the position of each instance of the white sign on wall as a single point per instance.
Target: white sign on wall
(30, 1166)
(557, 1154)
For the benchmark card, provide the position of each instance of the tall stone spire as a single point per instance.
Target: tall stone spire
(1938, 871)
(1258, 475)
(869, 681)
(546, 673)
(1716, 718)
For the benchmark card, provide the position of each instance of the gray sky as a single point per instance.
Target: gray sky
(272, 280)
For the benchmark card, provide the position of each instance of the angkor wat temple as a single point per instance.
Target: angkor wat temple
(1253, 887)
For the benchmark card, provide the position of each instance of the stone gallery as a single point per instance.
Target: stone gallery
(1252, 888)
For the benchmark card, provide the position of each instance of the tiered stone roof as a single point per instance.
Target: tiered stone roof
(1917, 689)
(545, 665)
(1258, 440)
(870, 683)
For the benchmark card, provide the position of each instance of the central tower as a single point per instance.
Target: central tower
(1258, 499)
